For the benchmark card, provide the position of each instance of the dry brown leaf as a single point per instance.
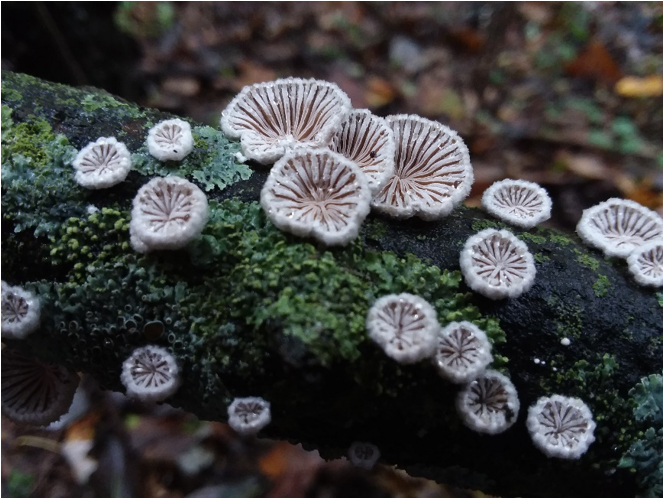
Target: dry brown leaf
(379, 92)
(595, 62)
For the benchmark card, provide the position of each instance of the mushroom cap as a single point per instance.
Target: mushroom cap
(367, 140)
(271, 118)
(645, 264)
(21, 311)
(102, 164)
(363, 455)
(405, 326)
(463, 352)
(496, 264)
(432, 171)
(170, 140)
(168, 213)
(247, 416)
(150, 374)
(561, 426)
(488, 404)
(33, 391)
(517, 202)
(317, 193)
(618, 226)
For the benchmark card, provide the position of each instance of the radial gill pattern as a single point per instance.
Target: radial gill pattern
(170, 140)
(367, 140)
(20, 312)
(497, 265)
(521, 203)
(248, 415)
(33, 391)
(271, 118)
(150, 374)
(102, 164)
(561, 426)
(317, 193)
(463, 352)
(405, 326)
(488, 404)
(618, 226)
(645, 264)
(432, 172)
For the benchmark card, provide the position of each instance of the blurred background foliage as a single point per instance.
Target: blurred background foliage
(568, 95)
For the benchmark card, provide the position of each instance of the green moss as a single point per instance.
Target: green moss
(586, 260)
(529, 237)
(659, 298)
(559, 239)
(541, 258)
(11, 94)
(568, 320)
(374, 228)
(601, 286)
(480, 225)
(101, 100)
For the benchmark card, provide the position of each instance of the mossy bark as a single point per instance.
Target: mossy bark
(251, 311)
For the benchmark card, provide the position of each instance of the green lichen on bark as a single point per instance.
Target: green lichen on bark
(249, 310)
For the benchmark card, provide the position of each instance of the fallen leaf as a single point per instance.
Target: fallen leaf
(379, 92)
(632, 86)
(595, 62)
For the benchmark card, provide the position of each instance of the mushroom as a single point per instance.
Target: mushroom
(561, 426)
(432, 172)
(170, 140)
(618, 226)
(247, 416)
(463, 352)
(272, 118)
(150, 374)
(405, 327)
(489, 404)
(102, 164)
(363, 455)
(645, 264)
(20, 312)
(517, 202)
(497, 265)
(317, 193)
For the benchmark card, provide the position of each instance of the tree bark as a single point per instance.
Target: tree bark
(248, 310)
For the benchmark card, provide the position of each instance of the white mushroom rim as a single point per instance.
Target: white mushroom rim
(150, 374)
(561, 426)
(170, 140)
(517, 202)
(317, 193)
(35, 392)
(21, 312)
(168, 213)
(496, 264)
(432, 170)
(248, 415)
(367, 140)
(363, 455)
(463, 352)
(102, 164)
(619, 226)
(405, 327)
(272, 118)
(488, 404)
(645, 264)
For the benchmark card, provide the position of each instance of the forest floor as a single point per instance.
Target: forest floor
(568, 95)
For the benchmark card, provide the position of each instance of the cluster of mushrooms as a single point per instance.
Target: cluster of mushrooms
(331, 165)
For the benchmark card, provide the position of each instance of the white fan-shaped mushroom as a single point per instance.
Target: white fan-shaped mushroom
(561, 426)
(618, 226)
(168, 213)
(405, 327)
(488, 404)
(317, 193)
(272, 118)
(247, 416)
(363, 455)
(150, 374)
(35, 392)
(517, 202)
(20, 312)
(170, 140)
(497, 265)
(367, 140)
(463, 352)
(103, 163)
(645, 264)
(432, 171)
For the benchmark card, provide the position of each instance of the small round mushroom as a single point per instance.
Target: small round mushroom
(168, 213)
(405, 326)
(463, 352)
(170, 140)
(619, 226)
(489, 404)
(274, 117)
(102, 164)
(496, 264)
(645, 264)
(317, 193)
(432, 172)
(249, 415)
(150, 374)
(517, 202)
(561, 427)
(21, 312)
(363, 455)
